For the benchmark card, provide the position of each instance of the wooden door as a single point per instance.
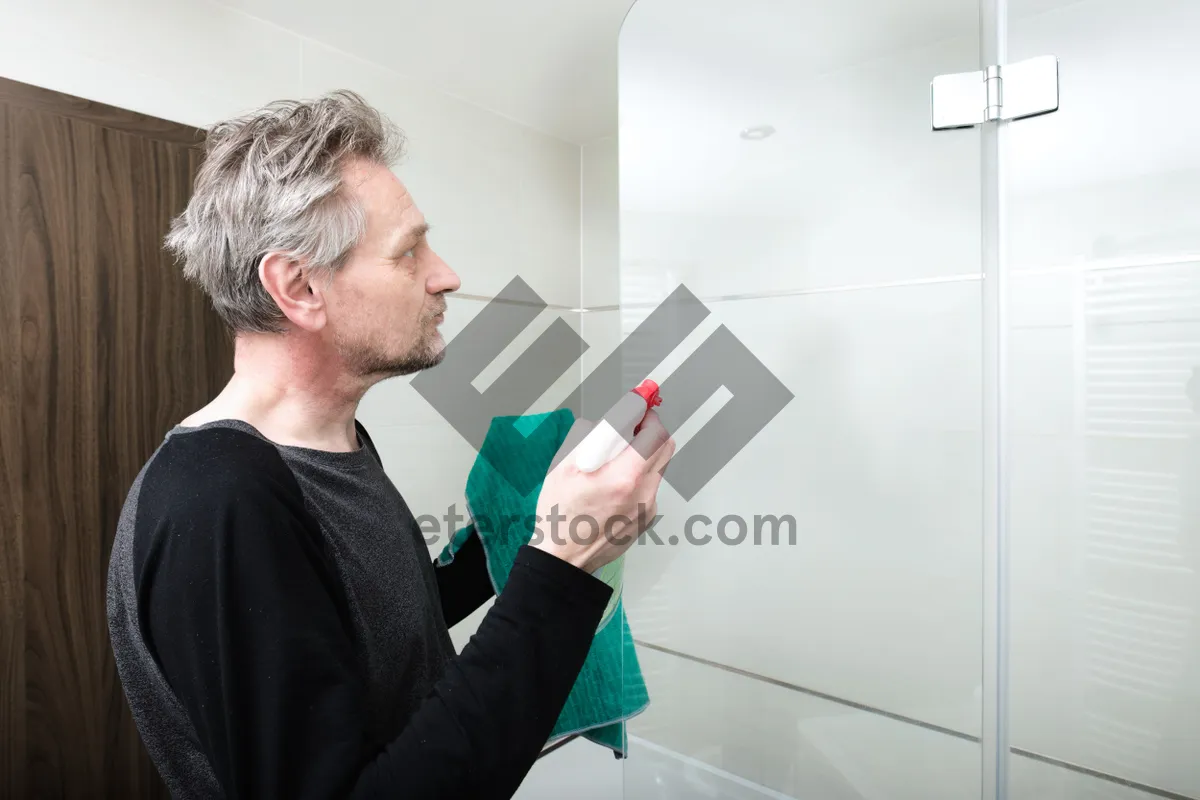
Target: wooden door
(103, 347)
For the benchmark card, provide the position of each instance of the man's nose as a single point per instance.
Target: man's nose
(443, 279)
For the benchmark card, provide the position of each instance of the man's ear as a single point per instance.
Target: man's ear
(294, 289)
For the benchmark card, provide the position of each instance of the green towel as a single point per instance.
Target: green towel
(502, 492)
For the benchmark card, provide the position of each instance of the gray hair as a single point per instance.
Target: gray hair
(272, 181)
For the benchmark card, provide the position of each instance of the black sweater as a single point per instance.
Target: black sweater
(280, 631)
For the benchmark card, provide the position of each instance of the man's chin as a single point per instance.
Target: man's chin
(410, 365)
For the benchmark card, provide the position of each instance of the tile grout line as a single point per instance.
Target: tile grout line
(842, 701)
(765, 295)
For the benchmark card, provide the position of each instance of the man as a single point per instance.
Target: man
(278, 626)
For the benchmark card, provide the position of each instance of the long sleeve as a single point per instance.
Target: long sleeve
(464, 584)
(244, 616)
(492, 713)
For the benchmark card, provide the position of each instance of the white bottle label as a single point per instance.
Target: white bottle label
(611, 434)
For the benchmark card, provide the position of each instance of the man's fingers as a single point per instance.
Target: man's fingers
(662, 456)
(648, 444)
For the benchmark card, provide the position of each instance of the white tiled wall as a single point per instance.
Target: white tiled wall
(599, 223)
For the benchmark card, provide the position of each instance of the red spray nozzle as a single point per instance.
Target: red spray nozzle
(648, 391)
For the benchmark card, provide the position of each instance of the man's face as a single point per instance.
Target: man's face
(385, 304)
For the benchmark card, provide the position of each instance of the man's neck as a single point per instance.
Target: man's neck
(292, 391)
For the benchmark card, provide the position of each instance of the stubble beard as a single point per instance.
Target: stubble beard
(368, 362)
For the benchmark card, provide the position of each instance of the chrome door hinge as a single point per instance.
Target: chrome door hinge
(1024, 89)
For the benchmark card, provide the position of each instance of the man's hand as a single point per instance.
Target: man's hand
(589, 520)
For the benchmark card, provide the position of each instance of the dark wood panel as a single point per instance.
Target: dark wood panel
(12, 586)
(114, 349)
(120, 267)
(168, 355)
(119, 432)
(56, 158)
(36, 98)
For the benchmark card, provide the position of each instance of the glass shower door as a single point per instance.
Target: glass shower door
(809, 621)
(1104, 341)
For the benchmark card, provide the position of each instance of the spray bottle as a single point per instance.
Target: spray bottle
(614, 433)
(604, 443)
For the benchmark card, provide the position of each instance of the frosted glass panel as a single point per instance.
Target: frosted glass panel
(1104, 209)
(752, 740)
(838, 240)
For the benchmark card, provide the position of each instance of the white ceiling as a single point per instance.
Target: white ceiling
(549, 64)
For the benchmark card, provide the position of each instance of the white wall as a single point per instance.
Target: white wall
(852, 238)
(600, 255)
(600, 223)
